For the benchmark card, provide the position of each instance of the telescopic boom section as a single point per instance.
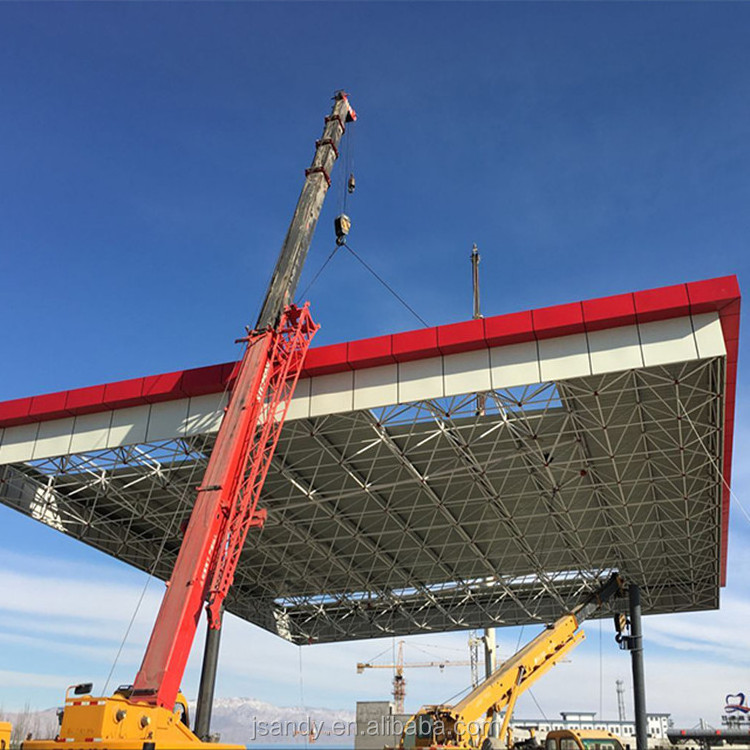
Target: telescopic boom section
(227, 502)
(297, 242)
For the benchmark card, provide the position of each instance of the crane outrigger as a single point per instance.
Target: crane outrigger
(152, 713)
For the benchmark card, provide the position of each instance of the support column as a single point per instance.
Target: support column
(635, 645)
(489, 667)
(205, 701)
(489, 651)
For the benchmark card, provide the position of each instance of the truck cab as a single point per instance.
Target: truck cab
(583, 739)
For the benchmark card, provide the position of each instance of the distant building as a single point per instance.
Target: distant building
(377, 725)
(658, 724)
(376, 722)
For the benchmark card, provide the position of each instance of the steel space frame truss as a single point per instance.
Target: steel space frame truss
(500, 507)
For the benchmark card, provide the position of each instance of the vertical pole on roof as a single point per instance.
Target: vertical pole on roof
(481, 398)
(635, 646)
(205, 702)
(475, 258)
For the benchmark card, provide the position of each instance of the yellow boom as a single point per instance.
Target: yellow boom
(467, 723)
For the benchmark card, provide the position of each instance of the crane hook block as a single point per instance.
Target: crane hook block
(351, 184)
(342, 224)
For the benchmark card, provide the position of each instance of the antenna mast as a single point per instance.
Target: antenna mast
(620, 700)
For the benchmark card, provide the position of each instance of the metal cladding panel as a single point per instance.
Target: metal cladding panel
(299, 406)
(514, 365)
(129, 426)
(90, 432)
(560, 320)
(167, 420)
(467, 372)
(51, 405)
(205, 413)
(514, 328)
(564, 357)
(460, 337)
(370, 352)
(375, 386)
(708, 335)
(18, 443)
(53, 438)
(326, 360)
(419, 378)
(667, 341)
(652, 304)
(609, 312)
(414, 345)
(330, 394)
(482, 473)
(615, 350)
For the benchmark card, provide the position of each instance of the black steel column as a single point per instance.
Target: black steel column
(205, 701)
(636, 655)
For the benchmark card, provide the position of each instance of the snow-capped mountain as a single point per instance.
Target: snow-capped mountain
(249, 721)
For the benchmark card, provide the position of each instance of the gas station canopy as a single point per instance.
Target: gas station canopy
(482, 473)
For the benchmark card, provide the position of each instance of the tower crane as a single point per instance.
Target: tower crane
(151, 714)
(467, 724)
(399, 682)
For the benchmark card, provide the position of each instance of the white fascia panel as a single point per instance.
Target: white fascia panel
(332, 394)
(420, 379)
(564, 357)
(376, 386)
(205, 414)
(516, 364)
(615, 350)
(667, 341)
(299, 406)
(90, 432)
(53, 438)
(708, 335)
(168, 420)
(128, 426)
(18, 443)
(467, 372)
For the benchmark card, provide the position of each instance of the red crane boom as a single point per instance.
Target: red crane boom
(149, 716)
(227, 503)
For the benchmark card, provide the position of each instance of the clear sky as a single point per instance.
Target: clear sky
(152, 155)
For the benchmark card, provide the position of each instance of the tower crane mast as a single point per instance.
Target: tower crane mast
(152, 715)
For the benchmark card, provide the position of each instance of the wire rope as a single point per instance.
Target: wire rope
(318, 272)
(387, 286)
(536, 703)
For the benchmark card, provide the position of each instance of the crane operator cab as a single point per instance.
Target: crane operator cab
(435, 726)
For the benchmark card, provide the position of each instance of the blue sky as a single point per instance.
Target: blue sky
(151, 158)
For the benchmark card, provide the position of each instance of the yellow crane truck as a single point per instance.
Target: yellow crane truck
(467, 725)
